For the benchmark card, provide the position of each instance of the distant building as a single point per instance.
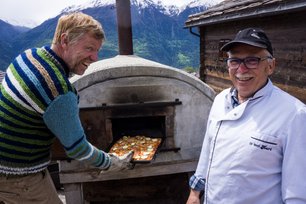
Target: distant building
(283, 21)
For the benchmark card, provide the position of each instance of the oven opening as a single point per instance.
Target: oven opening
(153, 126)
(136, 133)
(106, 124)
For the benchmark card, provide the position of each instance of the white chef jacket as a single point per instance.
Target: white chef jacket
(255, 153)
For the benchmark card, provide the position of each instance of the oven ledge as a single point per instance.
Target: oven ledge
(166, 163)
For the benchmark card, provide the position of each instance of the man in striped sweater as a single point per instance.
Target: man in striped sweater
(38, 104)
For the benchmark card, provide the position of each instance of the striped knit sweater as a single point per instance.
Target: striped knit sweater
(37, 104)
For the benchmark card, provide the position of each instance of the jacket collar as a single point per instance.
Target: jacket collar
(233, 95)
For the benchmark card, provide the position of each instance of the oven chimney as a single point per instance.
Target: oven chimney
(124, 24)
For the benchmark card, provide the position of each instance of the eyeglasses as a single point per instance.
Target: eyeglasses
(249, 62)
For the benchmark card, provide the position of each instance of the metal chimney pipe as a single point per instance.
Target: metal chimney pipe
(124, 24)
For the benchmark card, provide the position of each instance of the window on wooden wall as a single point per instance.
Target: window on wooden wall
(222, 54)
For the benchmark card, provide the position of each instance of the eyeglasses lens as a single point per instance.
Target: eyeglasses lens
(249, 62)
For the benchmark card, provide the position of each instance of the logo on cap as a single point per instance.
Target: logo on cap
(255, 35)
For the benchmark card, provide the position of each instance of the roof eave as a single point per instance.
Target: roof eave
(218, 17)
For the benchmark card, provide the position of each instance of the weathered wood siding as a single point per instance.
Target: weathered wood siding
(287, 33)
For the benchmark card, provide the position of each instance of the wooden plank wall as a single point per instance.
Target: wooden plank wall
(287, 33)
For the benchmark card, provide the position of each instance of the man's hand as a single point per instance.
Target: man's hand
(120, 163)
(194, 197)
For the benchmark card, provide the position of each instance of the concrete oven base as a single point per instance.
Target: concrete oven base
(165, 179)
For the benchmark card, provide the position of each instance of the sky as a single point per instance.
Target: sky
(34, 12)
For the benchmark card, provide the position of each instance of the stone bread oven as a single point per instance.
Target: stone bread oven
(128, 95)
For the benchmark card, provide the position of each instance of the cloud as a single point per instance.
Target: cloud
(33, 10)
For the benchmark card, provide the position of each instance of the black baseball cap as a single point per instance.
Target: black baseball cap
(250, 36)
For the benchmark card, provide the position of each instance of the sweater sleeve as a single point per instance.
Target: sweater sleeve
(62, 118)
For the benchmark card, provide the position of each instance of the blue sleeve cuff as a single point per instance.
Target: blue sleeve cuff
(197, 183)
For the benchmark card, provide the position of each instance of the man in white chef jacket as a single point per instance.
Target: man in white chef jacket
(255, 145)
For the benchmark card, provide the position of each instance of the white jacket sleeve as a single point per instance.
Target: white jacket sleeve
(294, 162)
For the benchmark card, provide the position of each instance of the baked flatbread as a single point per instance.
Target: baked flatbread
(144, 147)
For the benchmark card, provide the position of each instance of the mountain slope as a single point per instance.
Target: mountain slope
(7, 35)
